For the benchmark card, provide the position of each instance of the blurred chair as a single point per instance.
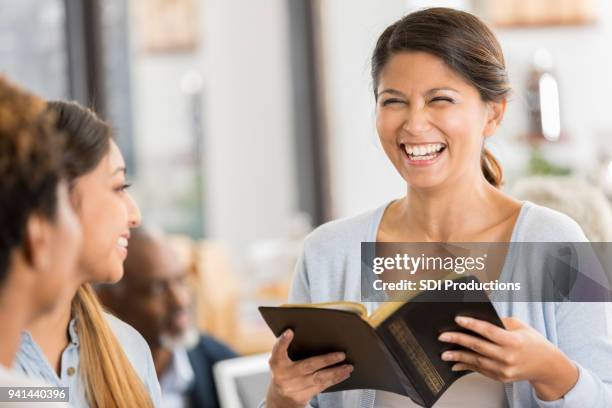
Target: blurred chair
(225, 305)
(218, 291)
(183, 246)
(586, 204)
(242, 382)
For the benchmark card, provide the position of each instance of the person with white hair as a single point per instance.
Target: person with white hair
(573, 197)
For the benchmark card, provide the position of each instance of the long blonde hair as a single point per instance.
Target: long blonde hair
(109, 378)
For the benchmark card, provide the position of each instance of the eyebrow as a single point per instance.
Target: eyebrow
(391, 91)
(119, 170)
(399, 93)
(445, 88)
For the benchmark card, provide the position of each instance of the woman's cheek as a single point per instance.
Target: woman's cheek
(382, 126)
(450, 122)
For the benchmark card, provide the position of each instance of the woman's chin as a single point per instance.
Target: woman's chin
(423, 183)
(115, 278)
(113, 274)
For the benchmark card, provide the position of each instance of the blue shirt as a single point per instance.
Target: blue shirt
(31, 361)
(330, 270)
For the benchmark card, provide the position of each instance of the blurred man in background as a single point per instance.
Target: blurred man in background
(154, 296)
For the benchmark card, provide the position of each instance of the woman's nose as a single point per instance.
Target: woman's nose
(416, 121)
(134, 217)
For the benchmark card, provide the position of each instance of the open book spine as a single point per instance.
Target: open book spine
(412, 358)
(415, 353)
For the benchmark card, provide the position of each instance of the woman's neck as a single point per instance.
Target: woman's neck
(16, 307)
(453, 213)
(15, 313)
(50, 331)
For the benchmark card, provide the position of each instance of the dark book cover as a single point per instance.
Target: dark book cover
(400, 355)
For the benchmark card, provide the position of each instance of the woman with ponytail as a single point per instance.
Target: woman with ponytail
(104, 362)
(440, 87)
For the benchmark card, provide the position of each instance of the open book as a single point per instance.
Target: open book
(395, 349)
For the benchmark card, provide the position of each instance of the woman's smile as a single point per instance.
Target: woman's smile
(424, 154)
(122, 246)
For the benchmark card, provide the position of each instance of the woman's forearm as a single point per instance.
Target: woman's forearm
(557, 378)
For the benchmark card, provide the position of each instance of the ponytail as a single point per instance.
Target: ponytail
(109, 378)
(491, 168)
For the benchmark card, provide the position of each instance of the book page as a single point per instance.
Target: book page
(353, 307)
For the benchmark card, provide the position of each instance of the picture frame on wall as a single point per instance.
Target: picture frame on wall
(167, 25)
(538, 13)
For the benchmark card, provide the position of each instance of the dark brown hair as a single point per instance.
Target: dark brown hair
(108, 376)
(88, 138)
(30, 167)
(464, 43)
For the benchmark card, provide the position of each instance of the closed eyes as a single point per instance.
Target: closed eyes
(393, 101)
(442, 99)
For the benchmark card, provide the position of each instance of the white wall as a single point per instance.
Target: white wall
(249, 187)
(362, 178)
(250, 191)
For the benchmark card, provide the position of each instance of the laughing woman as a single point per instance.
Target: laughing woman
(103, 361)
(440, 87)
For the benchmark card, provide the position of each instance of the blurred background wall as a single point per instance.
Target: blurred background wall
(361, 175)
(247, 123)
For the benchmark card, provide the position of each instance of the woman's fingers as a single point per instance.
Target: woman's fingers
(279, 356)
(478, 345)
(293, 384)
(471, 359)
(317, 381)
(306, 377)
(310, 391)
(314, 364)
(512, 323)
(486, 330)
(331, 376)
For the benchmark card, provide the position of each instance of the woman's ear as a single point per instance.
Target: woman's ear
(38, 240)
(495, 114)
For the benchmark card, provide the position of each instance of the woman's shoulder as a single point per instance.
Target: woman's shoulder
(345, 231)
(138, 353)
(542, 224)
(135, 346)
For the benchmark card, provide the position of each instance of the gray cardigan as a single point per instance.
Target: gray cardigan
(330, 270)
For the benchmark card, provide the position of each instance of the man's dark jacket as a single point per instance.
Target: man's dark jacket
(203, 393)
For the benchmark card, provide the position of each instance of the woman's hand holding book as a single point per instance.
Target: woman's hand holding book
(517, 353)
(295, 383)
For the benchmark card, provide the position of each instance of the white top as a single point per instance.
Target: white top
(490, 394)
(176, 380)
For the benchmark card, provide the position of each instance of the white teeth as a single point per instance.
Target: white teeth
(422, 150)
(122, 242)
(424, 157)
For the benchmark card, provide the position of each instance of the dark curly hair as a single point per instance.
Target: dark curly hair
(30, 167)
